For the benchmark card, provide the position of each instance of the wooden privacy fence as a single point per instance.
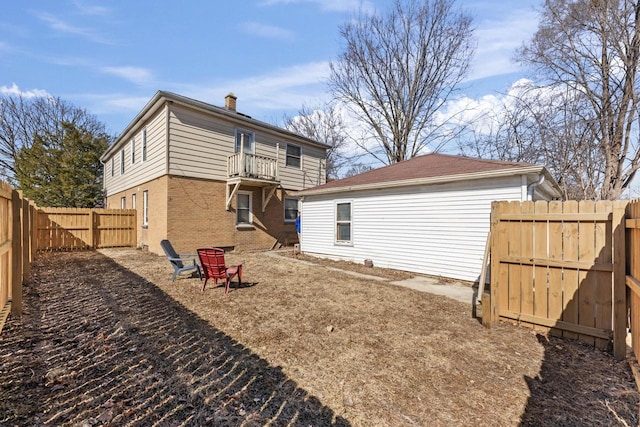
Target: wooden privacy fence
(82, 228)
(16, 249)
(633, 273)
(561, 266)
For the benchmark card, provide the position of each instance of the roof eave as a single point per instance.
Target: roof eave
(535, 169)
(161, 96)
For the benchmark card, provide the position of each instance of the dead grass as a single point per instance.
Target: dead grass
(299, 344)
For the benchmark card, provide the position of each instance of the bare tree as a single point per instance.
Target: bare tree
(398, 69)
(591, 48)
(356, 169)
(22, 119)
(540, 126)
(322, 124)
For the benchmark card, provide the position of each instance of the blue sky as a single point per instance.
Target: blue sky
(111, 57)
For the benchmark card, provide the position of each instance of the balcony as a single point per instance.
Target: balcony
(252, 170)
(251, 166)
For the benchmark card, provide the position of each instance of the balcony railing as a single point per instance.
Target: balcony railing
(252, 166)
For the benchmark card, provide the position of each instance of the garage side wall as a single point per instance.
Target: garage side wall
(437, 229)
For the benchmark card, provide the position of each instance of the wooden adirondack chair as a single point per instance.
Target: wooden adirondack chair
(180, 263)
(213, 265)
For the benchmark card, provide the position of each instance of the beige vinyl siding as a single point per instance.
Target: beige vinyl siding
(438, 229)
(311, 172)
(200, 144)
(141, 171)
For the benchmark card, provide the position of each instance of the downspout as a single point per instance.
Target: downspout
(533, 185)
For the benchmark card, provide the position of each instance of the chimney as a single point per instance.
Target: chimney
(230, 101)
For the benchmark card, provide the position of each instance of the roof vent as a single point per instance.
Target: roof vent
(230, 101)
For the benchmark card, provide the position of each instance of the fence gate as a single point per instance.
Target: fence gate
(560, 265)
(633, 273)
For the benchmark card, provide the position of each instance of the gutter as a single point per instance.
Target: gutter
(201, 106)
(431, 180)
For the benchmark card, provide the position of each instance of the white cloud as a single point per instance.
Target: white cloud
(14, 90)
(267, 31)
(283, 89)
(88, 9)
(498, 40)
(59, 25)
(137, 75)
(328, 5)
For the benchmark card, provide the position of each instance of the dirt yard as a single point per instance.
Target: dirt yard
(106, 339)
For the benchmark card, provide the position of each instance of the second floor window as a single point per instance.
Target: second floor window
(113, 162)
(122, 162)
(144, 144)
(133, 151)
(293, 156)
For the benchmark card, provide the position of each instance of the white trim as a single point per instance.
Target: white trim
(284, 206)
(431, 180)
(145, 148)
(286, 156)
(145, 207)
(250, 195)
(122, 162)
(251, 134)
(132, 146)
(335, 223)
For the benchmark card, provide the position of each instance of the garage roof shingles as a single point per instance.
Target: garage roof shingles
(426, 166)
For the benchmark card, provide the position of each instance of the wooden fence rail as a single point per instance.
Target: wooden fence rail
(25, 229)
(17, 249)
(560, 266)
(633, 273)
(82, 228)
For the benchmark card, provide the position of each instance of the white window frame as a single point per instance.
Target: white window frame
(145, 208)
(144, 144)
(250, 195)
(349, 221)
(284, 203)
(122, 162)
(123, 202)
(113, 165)
(133, 151)
(287, 156)
(252, 138)
(134, 201)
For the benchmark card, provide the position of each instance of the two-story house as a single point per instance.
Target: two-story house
(201, 175)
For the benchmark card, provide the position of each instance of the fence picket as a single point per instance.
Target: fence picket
(526, 251)
(541, 273)
(586, 278)
(603, 288)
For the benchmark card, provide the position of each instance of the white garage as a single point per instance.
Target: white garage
(428, 215)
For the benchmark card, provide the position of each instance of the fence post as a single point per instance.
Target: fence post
(33, 216)
(26, 226)
(92, 230)
(493, 300)
(16, 255)
(619, 283)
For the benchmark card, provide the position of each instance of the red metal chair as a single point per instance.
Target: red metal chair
(213, 267)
